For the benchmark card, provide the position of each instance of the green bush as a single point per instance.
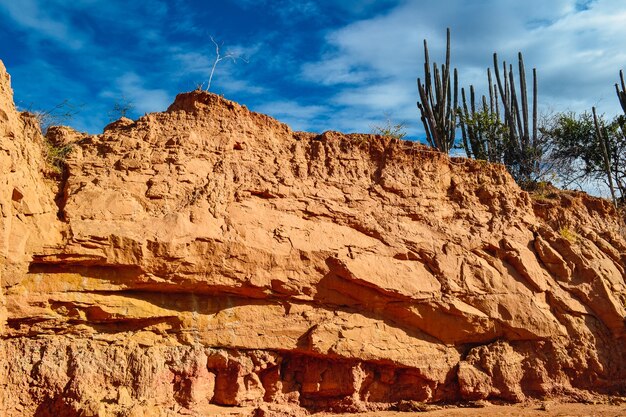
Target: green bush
(56, 155)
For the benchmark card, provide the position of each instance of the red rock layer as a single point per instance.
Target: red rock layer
(208, 255)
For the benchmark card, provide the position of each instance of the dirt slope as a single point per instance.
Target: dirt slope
(210, 256)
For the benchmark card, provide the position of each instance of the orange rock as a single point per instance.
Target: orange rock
(209, 255)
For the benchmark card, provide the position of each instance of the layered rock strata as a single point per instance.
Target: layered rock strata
(210, 256)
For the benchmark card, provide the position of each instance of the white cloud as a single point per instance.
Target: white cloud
(193, 62)
(227, 83)
(334, 70)
(289, 11)
(197, 63)
(63, 22)
(296, 115)
(37, 20)
(131, 87)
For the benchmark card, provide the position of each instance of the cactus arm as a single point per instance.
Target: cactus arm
(524, 97)
(535, 108)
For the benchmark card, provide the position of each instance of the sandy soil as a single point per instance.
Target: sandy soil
(523, 410)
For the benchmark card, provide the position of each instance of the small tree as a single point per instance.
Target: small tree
(588, 148)
(121, 109)
(570, 136)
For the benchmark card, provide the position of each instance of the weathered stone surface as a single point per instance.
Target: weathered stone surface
(210, 256)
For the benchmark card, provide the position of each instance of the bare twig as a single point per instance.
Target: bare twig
(218, 57)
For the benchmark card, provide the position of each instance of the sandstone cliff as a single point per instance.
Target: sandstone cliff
(210, 256)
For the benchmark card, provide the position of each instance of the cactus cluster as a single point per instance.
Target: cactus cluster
(522, 149)
(438, 103)
(509, 135)
(502, 126)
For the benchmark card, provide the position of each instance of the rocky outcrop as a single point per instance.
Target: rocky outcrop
(210, 256)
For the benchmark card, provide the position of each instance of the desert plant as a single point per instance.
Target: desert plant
(509, 136)
(483, 133)
(621, 94)
(542, 191)
(58, 115)
(571, 138)
(120, 109)
(568, 234)
(588, 148)
(56, 155)
(523, 151)
(437, 109)
(390, 129)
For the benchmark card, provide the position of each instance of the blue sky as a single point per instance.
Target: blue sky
(317, 65)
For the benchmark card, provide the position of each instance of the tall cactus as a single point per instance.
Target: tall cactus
(621, 94)
(523, 147)
(436, 105)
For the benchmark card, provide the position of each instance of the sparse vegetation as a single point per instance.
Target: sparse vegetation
(56, 155)
(522, 151)
(602, 137)
(543, 191)
(507, 135)
(121, 108)
(390, 129)
(568, 235)
(61, 114)
(587, 147)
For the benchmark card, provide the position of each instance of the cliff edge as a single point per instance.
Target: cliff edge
(210, 256)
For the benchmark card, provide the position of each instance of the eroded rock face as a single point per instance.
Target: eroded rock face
(209, 256)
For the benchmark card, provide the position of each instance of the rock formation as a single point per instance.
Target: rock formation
(209, 256)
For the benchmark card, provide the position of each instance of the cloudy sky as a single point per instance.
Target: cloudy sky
(317, 65)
